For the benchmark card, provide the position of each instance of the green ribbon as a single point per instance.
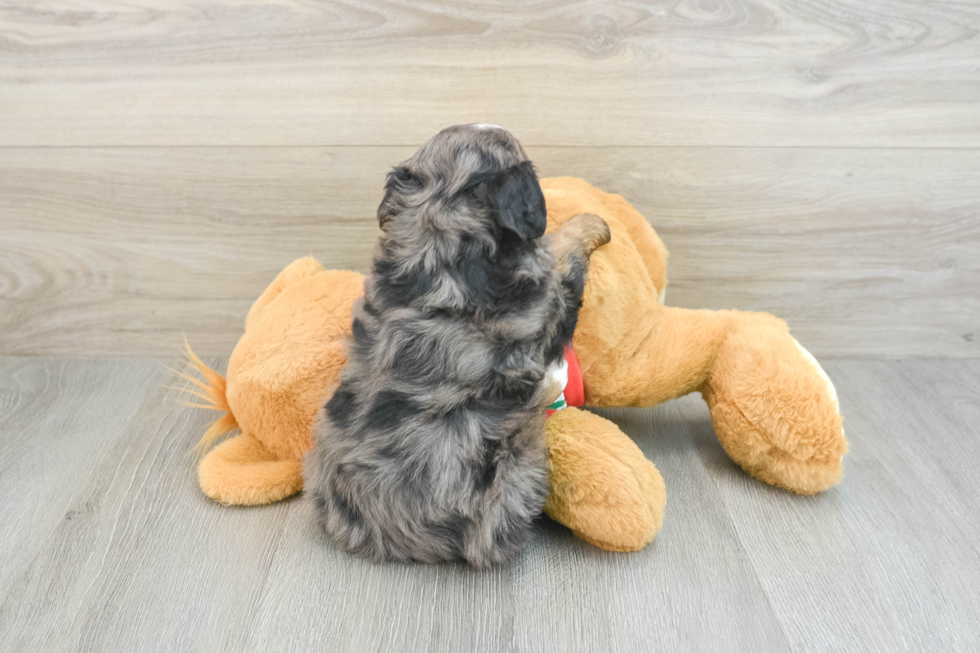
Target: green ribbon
(558, 405)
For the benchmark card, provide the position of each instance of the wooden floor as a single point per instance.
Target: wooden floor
(108, 545)
(161, 161)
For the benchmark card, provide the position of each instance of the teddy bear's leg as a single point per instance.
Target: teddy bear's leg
(242, 472)
(602, 487)
(774, 409)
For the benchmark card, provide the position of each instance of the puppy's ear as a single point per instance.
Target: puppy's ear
(515, 197)
(401, 182)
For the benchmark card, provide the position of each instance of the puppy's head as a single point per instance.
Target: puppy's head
(467, 179)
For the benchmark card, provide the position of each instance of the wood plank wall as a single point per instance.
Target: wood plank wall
(159, 162)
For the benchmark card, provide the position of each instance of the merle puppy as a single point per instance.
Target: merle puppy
(432, 447)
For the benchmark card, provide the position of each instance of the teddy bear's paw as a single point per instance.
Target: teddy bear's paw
(241, 472)
(624, 521)
(802, 476)
(776, 413)
(603, 488)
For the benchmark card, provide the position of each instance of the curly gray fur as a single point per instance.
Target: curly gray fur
(432, 447)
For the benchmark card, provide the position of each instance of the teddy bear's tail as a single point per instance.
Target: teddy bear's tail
(240, 471)
(212, 391)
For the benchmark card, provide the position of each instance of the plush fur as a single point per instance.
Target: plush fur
(773, 408)
(432, 447)
(303, 317)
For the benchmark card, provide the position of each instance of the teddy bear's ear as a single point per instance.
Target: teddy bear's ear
(401, 183)
(514, 197)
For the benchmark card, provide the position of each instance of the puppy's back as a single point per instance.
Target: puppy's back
(417, 457)
(432, 448)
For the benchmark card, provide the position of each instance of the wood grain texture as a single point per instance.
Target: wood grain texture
(125, 250)
(691, 588)
(57, 421)
(138, 560)
(891, 543)
(685, 72)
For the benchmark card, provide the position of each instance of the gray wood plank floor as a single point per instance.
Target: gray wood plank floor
(107, 544)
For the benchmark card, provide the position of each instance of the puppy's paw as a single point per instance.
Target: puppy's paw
(591, 230)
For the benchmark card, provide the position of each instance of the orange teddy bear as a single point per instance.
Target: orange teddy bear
(774, 409)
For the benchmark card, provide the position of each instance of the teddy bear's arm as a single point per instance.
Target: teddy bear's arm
(603, 488)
